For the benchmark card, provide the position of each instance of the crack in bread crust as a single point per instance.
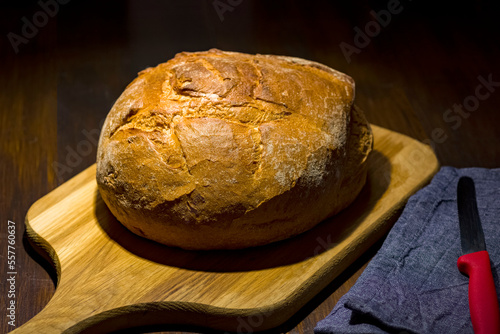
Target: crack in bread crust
(258, 106)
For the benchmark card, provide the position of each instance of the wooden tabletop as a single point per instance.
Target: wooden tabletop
(425, 70)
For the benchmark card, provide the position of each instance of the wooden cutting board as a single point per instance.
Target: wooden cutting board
(110, 279)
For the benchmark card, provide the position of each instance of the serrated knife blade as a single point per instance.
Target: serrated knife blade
(471, 231)
(475, 263)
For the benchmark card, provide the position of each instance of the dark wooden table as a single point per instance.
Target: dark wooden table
(426, 70)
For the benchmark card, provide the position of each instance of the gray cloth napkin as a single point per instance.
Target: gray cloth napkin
(412, 285)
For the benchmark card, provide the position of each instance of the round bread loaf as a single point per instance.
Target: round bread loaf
(225, 150)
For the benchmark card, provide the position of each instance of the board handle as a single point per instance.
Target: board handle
(54, 318)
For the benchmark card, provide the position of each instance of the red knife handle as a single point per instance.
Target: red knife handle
(483, 301)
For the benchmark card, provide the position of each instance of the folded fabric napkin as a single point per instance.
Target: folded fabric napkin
(412, 285)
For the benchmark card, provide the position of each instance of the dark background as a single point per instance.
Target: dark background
(57, 89)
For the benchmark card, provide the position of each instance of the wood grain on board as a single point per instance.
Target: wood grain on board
(110, 279)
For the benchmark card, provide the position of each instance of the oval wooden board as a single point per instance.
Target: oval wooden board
(110, 279)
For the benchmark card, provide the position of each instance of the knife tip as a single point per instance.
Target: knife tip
(465, 181)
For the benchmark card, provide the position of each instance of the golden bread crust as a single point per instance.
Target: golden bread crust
(225, 150)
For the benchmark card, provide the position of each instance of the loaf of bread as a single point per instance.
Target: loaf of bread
(226, 150)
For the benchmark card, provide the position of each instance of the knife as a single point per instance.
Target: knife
(475, 263)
